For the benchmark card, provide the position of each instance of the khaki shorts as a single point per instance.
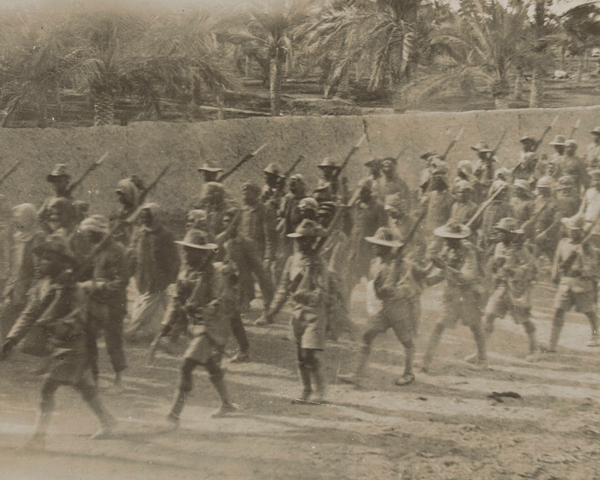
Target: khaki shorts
(499, 305)
(401, 317)
(461, 305)
(584, 302)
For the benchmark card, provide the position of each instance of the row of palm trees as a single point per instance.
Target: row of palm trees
(409, 49)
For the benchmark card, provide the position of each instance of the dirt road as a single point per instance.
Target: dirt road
(443, 426)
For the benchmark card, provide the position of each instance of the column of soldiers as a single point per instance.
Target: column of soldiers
(483, 235)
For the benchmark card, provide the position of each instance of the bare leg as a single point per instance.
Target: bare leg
(434, 341)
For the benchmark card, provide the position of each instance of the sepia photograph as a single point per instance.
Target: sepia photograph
(299, 239)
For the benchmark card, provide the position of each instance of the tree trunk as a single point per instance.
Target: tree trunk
(398, 99)
(276, 77)
(536, 95)
(519, 84)
(585, 60)
(221, 104)
(104, 107)
(343, 89)
(502, 103)
(562, 58)
(579, 74)
(247, 67)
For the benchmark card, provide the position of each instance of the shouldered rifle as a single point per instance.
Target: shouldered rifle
(244, 159)
(452, 143)
(10, 171)
(84, 175)
(498, 143)
(575, 128)
(153, 185)
(483, 206)
(544, 133)
(289, 171)
(353, 150)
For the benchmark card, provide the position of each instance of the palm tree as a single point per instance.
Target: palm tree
(478, 48)
(582, 27)
(31, 64)
(127, 53)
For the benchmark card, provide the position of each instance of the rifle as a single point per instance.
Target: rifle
(244, 159)
(452, 143)
(483, 206)
(83, 176)
(289, 171)
(401, 153)
(152, 186)
(10, 171)
(575, 128)
(493, 153)
(353, 150)
(544, 133)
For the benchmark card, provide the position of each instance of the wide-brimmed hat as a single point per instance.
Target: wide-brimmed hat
(59, 170)
(558, 140)
(297, 177)
(508, 224)
(273, 169)
(197, 239)
(428, 155)
(328, 163)
(595, 131)
(373, 162)
(452, 230)
(523, 185)
(463, 186)
(465, 167)
(481, 147)
(307, 228)
(251, 187)
(209, 167)
(527, 139)
(385, 237)
(544, 182)
(567, 181)
(573, 223)
(54, 245)
(308, 203)
(594, 171)
(95, 223)
(391, 159)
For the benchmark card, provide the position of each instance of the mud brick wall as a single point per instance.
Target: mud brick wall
(146, 147)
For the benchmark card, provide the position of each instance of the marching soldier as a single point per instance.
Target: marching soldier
(438, 198)
(463, 207)
(60, 217)
(251, 246)
(573, 166)
(272, 190)
(196, 220)
(464, 171)
(549, 166)
(514, 272)
(57, 305)
(390, 182)
(104, 277)
(204, 300)
(521, 201)
(401, 222)
(484, 166)
(461, 298)
(592, 156)
(526, 168)
(575, 271)
(308, 207)
(590, 208)
(288, 219)
(59, 179)
(368, 215)
(497, 210)
(128, 194)
(329, 172)
(543, 226)
(567, 198)
(216, 205)
(397, 286)
(155, 265)
(26, 237)
(304, 282)
(210, 172)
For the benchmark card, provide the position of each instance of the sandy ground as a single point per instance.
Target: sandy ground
(444, 426)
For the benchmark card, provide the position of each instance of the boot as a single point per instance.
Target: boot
(107, 421)
(554, 336)
(176, 407)
(227, 406)
(434, 342)
(361, 367)
(408, 377)
(317, 376)
(306, 384)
